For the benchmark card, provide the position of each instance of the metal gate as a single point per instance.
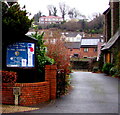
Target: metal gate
(60, 82)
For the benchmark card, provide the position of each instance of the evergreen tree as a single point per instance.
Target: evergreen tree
(15, 22)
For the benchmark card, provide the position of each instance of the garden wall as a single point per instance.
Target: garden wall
(32, 93)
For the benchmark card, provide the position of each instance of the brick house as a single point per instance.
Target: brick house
(77, 44)
(50, 20)
(86, 48)
(112, 32)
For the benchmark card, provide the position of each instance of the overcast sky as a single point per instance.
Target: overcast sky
(85, 7)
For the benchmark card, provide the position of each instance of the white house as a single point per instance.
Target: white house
(72, 36)
(50, 20)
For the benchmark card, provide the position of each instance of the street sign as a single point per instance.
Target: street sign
(21, 54)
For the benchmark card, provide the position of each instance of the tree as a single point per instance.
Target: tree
(63, 9)
(71, 26)
(15, 22)
(83, 24)
(73, 13)
(42, 59)
(37, 16)
(55, 11)
(58, 52)
(52, 10)
(96, 25)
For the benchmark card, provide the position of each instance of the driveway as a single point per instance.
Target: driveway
(92, 93)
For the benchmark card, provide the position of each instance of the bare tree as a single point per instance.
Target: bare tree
(73, 13)
(52, 10)
(63, 9)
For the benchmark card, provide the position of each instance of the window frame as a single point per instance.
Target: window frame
(86, 49)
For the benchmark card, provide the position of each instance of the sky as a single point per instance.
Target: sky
(85, 7)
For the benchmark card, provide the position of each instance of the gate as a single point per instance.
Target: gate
(80, 65)
(60, 82)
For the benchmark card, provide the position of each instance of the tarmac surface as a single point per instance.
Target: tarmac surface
(91, 93)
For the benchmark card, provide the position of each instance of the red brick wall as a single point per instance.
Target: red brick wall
(50, 76)
(83, 54)
(32, 93)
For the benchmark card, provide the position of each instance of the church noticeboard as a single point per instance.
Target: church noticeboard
(21, 54)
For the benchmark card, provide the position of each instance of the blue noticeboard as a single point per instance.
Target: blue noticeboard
(21, 54)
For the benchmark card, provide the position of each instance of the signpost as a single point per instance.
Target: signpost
(21, 54)
(16, 92)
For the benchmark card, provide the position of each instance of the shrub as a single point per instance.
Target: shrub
(106, 68)
(42, 59)
(8, 77)
(67, 83)
(113, 71)
(95, 69)
(100, 62)
(118, 64)
(59, 53)
(118, 74)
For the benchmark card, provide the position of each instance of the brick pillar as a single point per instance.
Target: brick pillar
(50, 76)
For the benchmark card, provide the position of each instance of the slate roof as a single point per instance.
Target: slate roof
(90, 41)
(72, 34)
(112, 40)
(73, 45)
(85, 42)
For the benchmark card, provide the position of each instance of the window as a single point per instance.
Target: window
(95, 49)
(85, 49)
(53, 41)
(42, 22)
(85, 56)
(49, 19)
(75, 55)
(42, 19)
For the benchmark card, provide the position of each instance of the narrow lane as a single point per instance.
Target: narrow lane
(92, 93)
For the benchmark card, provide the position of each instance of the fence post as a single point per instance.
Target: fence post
(50, 76)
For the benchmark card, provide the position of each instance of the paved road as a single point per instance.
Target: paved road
(92, 93)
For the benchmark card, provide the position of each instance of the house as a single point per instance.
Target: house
(50, 20)
(76, 43)
(85, 48)
(112, 32)
(72, 36)
(83, 53)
